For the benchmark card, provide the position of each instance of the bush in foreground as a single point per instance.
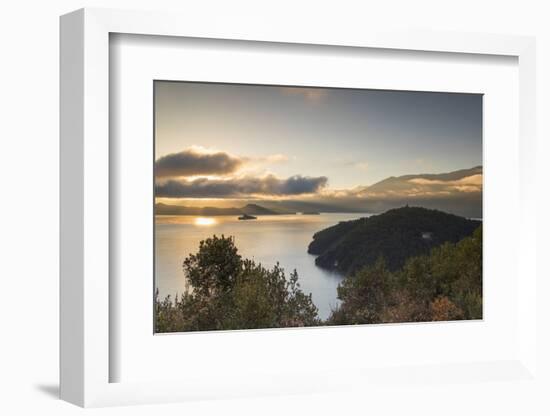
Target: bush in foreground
(228, 292)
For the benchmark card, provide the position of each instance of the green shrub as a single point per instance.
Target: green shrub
(228, 292)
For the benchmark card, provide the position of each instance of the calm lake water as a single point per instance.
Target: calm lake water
(271, 238)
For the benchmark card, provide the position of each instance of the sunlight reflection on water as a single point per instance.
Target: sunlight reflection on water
(205, 221)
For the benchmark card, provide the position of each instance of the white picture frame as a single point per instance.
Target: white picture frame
(86, 356)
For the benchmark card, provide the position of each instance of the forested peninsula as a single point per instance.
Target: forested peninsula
(394, 235)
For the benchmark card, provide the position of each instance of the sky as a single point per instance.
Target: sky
(227, 141)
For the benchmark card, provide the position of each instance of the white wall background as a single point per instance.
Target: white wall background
(29, 184)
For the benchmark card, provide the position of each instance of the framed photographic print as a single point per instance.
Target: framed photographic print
(267, 212)
(279, 206)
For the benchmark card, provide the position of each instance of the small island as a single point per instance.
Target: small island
(246, 217)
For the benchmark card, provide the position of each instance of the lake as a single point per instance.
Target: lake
(267, 240)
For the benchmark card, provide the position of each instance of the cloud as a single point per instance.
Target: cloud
(312, 95)
(466, 181)
(276, 158)
(364, 166)
(240, 187)
(196, 161)
(471, 183)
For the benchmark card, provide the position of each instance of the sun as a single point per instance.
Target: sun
(204, 221)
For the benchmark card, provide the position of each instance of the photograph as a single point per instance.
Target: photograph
(302, 206)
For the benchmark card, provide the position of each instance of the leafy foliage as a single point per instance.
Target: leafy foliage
(446, 284)
(228, 292)
(215, 268)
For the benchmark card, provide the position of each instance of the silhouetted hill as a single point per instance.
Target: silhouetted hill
(255, 209)
(291, 206)
(395, 235)
(250, 209)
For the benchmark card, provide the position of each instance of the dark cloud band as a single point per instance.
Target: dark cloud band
(269, 185)
(190, 163)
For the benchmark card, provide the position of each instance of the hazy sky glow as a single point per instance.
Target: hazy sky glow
(228, 141)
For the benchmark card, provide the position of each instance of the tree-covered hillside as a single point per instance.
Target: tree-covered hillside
(394, 235)
(443, 285)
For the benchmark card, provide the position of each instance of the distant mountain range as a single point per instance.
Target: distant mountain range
(458, 192)
(408, 182)
(249, 209)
